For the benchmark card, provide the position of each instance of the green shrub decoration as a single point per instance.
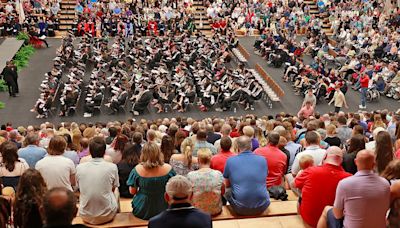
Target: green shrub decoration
(3, 86)
(21, 58)
(23, 36)
(2, 105)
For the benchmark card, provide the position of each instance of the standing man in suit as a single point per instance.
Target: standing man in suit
(178, 194)
(8, 76)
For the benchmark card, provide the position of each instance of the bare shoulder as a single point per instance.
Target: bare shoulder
(177, 157)
(139, 169)
(166, 167)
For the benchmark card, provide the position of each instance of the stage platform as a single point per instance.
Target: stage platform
(8, 48)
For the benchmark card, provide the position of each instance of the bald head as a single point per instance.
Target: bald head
(244, 144)
(334, 156)
(365, 160)
(59, 207)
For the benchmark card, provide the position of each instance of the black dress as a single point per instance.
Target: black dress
(124, 169)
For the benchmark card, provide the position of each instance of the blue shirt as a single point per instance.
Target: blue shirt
(73, 155)
(204, 144)
(32, 154)
(247, 173)
(294, 149)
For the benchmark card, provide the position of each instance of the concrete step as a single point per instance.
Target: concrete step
(309, 2)
(68, 12)
(66, 17)
(204, 23)
(207, 33)
(205, 27)
(65, 27)
(67, 6)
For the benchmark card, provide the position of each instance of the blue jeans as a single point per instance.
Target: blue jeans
(363, 96)
(333, 222)
(244, 211)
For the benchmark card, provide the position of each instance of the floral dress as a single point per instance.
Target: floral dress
(207, 185)
(181, 168)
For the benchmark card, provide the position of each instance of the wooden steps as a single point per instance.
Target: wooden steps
(291, 221)
(67, 14)
(126, 206)
(200, 15)
(276, 208)
(287, 210)
(326, 25)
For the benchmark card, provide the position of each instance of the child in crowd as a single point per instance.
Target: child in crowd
(304, 162)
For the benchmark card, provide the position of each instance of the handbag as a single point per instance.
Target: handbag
(278, 193)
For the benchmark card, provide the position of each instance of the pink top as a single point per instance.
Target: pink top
(397, 153)
(357, 193)
(306, 112)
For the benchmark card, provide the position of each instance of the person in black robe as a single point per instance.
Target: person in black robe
(234, 96)
(90, 104)
(9, 78)
(142, 101)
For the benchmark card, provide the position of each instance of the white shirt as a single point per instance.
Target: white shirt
(96, 180)
(315, 151)
(56, 171)
(19, 169)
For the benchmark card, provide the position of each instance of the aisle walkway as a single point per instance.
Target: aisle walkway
(8, 48)
(291, 102)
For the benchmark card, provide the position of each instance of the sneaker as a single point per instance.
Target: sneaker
(135, 113)
(86, 115)
(219, 110)
(107, 105)
(362, 107)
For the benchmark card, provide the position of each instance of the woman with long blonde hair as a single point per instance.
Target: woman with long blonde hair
(147, 182)
(184, 162)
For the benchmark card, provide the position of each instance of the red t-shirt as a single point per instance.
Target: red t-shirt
(318, 187)
(276, 163)
(364, 82)
(234, 133)
(218, 161)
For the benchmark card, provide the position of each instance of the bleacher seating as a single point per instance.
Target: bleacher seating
(276, 210)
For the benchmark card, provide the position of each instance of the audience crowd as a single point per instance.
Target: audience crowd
(112, 18)
(181, 171)
(362, 54)
(200, 165)
(42, 17)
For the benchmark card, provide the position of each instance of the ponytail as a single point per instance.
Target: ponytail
(188, 155)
